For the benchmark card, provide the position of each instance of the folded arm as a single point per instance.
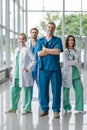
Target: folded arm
(47, 51)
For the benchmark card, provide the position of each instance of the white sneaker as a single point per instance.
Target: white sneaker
(78, 112)
(10, 111)
(24, 112)
(68, 111)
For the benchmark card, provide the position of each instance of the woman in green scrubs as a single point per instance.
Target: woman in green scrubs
(71, 76)
(21, 75)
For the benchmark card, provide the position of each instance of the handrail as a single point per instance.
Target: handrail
(4, 74)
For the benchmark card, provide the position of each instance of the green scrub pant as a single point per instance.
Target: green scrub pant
(78, 88)
(15, 95)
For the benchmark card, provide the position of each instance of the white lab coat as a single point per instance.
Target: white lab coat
(26, 59)
(27, 43)
(68, 62)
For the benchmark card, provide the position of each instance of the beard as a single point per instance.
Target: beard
(49, 32)
(34, 37)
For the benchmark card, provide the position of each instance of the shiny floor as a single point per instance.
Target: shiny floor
(32, 121)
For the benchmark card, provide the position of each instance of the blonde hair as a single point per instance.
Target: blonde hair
(23, 34)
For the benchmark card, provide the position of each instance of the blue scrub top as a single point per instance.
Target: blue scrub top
(49, 62)
(33, 49)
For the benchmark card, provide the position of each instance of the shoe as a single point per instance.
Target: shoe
(56, 115)
(22, 106)
(80, 112)
(10, 111)
(25, 112)
(68, 111)
(43, 113)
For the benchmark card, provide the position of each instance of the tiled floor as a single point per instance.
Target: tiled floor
(33, 122)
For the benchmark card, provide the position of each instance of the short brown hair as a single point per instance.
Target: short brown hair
(34, 29)
(52, 24)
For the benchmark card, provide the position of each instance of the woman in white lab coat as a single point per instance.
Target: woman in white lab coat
(21, 75)
(71, 76)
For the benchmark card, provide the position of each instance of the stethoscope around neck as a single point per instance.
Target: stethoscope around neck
(70, 54)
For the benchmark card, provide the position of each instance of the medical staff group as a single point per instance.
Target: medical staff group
(39, 60)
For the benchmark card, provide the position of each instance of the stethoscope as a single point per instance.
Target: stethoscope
(70, 55)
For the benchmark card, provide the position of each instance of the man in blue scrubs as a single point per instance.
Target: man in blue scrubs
(48, 51)
(32, 45)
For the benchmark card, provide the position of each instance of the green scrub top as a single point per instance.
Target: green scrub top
(75, 71)
(17, 66)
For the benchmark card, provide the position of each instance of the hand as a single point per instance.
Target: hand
(44, 48)
(11, 77)
(39, 53)
(25, 69)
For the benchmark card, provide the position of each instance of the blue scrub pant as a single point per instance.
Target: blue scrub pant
(44, 79)
(34, 74)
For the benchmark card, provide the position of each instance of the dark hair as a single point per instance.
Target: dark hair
(34, 29)
(67, 39)
(52, 24)
(23, 34)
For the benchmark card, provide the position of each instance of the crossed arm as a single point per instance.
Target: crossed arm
(47, 51)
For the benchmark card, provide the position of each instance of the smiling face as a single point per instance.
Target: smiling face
(50, 28)
(22, 39)
(70, 42)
